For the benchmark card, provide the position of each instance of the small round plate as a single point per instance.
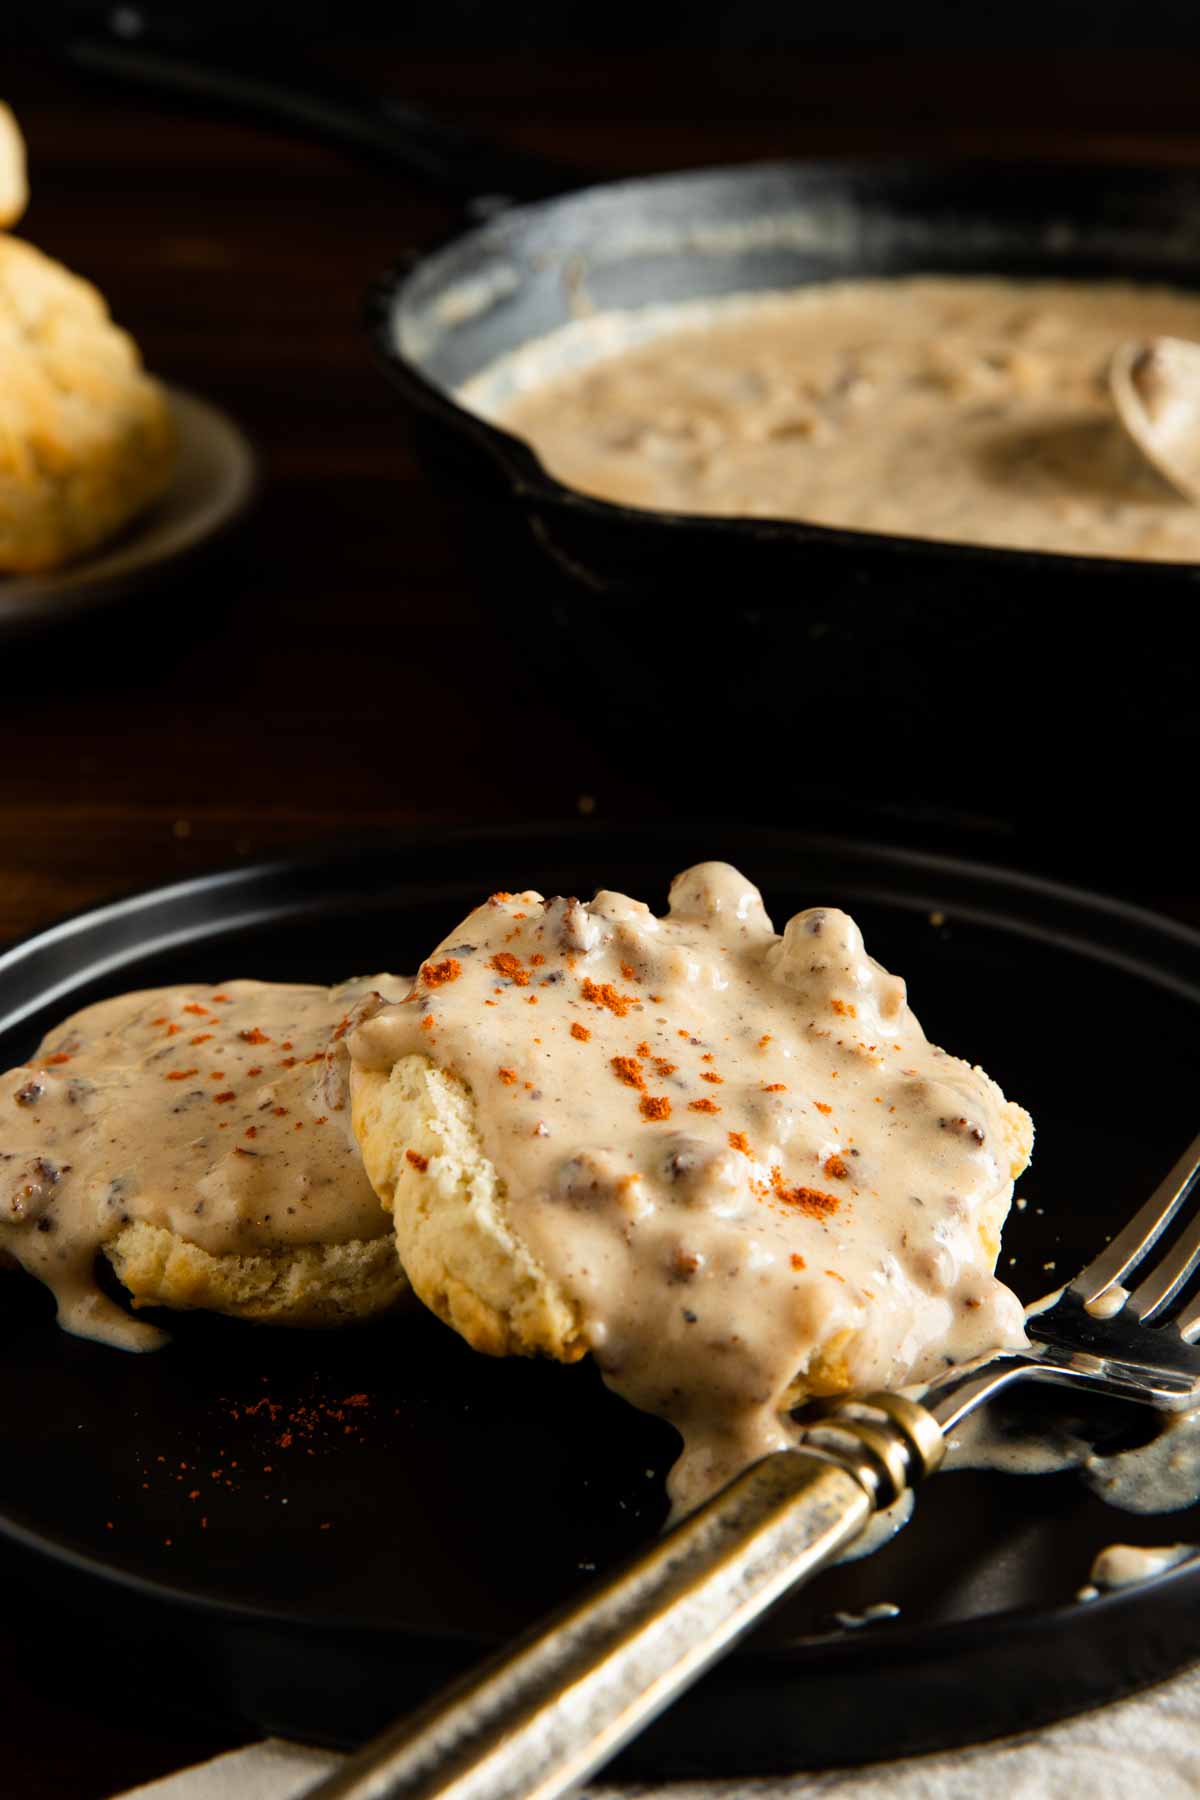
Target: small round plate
(215, 479)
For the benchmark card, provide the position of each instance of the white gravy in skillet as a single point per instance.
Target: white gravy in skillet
(967, 410)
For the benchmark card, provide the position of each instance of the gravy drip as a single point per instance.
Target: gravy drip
(967, 410)
(1126, 1565)
(206, 1110)
(736, 1152)
(1161, 1476)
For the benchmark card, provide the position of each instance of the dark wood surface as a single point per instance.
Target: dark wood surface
(325, 674)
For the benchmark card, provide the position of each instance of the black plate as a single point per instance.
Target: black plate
(309, 1532)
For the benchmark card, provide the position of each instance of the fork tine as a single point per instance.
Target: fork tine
(1143, 1230)
(1188, 1322)
(1164, 1281)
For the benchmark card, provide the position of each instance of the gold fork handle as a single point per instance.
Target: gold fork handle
(537, 1721)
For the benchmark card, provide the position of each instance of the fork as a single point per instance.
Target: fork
(537, 1720)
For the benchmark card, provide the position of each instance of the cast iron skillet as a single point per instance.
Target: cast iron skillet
(799, 644)
(307, 1532)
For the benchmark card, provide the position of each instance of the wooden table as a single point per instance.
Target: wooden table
(272, 699)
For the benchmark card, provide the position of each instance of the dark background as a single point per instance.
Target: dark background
(572, 24)
(334, 671)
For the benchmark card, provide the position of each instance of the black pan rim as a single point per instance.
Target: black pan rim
(532, 482)
(900, 1641)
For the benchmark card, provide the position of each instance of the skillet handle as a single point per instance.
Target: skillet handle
(535, 1722)
(123, 43)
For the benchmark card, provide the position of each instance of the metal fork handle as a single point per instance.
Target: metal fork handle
(537, 1721)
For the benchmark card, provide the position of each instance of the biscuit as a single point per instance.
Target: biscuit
(14, 194)
(304, 1285)
(86, 436)
(455, 1240)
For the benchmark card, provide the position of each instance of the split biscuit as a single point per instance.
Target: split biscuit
(421, 1151)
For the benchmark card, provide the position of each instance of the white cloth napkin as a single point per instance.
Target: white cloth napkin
(1149, 1745)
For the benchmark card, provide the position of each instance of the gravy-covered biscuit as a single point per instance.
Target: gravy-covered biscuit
(199, 1137)
(727, 1162)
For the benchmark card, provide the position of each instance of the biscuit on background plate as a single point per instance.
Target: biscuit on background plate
(14, 193)
(86, 436)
